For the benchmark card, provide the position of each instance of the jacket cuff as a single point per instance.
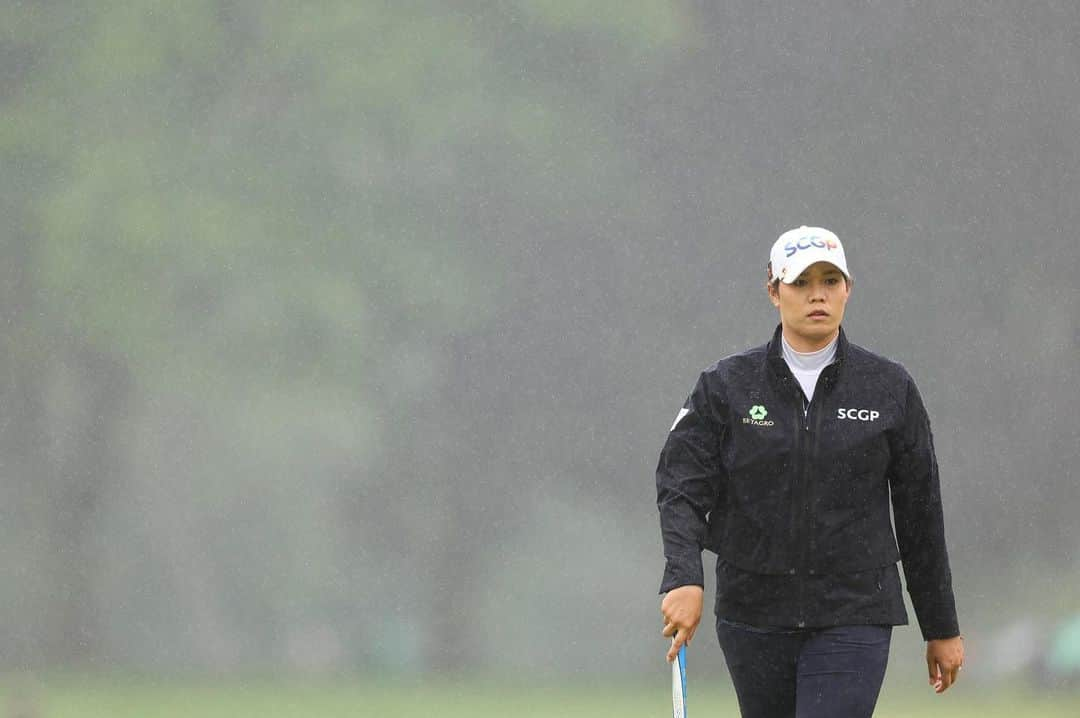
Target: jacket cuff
(944, 630)
(936, 614)
(942, 623)
(683, 572)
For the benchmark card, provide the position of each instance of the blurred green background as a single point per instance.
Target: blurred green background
(339, 339)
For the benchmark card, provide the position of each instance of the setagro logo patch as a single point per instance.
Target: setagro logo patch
(757, 416)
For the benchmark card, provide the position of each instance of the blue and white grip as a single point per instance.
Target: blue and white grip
(678, 684)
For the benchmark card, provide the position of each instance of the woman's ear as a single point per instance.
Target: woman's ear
(773, 288)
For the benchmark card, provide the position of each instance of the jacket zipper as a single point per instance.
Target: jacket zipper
(803, 407)
(808, 454)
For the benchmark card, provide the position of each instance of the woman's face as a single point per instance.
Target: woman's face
(812, 307)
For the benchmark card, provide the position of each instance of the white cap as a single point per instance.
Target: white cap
(798, 248)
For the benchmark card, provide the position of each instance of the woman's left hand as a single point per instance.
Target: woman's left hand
(944, 659)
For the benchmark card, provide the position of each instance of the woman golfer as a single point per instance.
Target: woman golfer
(785, 461)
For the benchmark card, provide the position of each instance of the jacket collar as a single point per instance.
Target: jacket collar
(774, 354)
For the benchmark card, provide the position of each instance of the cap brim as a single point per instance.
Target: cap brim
(796, 269)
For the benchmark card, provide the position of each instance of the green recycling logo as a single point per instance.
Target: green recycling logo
(757, 416)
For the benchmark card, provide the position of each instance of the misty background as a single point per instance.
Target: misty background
(345, 336)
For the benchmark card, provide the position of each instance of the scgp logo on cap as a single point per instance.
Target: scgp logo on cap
(808, 241)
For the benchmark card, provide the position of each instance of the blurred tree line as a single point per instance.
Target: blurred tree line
(347, 335)
(240, 240)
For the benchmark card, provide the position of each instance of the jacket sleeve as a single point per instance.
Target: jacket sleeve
(920, 523)
(687, 485)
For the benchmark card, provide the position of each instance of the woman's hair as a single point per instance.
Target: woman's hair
(771, 280)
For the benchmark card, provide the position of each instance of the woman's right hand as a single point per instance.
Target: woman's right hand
(681, 609)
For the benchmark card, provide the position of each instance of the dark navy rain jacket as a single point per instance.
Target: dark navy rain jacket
(794, 498)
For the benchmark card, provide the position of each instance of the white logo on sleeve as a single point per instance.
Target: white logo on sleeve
(682, 413)
(858, 414)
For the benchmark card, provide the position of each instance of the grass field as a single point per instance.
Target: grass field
(126, 697)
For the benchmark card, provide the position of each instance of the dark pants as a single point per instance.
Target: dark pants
(805, 673)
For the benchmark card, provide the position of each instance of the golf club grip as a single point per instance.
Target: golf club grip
(678, 684)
